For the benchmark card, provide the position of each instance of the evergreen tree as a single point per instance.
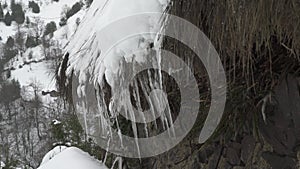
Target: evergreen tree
(63, 21)
(27, 22)
(20, 40)
(31, 42)
(12, 4)
(1, 13)
(9, 50)
(10, 92)
(88, 2)
(58, 133)
(5, 5)
(50, 28)
(8, 19)
(74, 129)
(75, 8)
(18, 14)
(10, 43)
(34, 6)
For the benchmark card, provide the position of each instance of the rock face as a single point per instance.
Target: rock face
(264, 129)
(282, 128)
(276, 146)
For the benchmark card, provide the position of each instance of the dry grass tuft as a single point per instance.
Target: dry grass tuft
(258, 42)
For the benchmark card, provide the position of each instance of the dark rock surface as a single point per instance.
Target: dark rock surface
(277, 146)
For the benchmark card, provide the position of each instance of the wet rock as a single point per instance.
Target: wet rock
(223, 164)
(206, 153)
(203, 157)
(232, 156)
(238, 167)
(214, 160)
(282, 129)
(279, 162)
(248, 145)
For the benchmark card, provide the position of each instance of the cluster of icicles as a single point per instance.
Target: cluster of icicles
(100, 88)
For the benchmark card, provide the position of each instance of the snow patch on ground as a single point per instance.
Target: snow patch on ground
(35, 72)
(52, 11)
(31, 55)
(53, 153)
(6, 31)
(2, 164)
(32, 65)
(63, 34)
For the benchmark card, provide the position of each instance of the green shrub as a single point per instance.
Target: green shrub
(18, 14)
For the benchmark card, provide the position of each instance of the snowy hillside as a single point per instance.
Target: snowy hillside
(33, 60)
(33, 34)
(60, 28)
(49, 11)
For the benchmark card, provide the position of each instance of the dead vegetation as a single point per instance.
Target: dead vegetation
(258, 42)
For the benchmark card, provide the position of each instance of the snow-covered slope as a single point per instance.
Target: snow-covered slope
(32, 66)
(35, 73)
(70, 158)
(49, 11)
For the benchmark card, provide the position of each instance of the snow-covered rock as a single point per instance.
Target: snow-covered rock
(89, 42)
(70, 158)
(56, 150)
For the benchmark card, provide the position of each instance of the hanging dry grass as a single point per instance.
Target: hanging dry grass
(244, 31)
(258, 42)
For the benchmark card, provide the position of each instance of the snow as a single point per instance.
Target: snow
(32, 65)
(56, 122)
(87, 42)
(6, 31)
(49, 11)
(35, 72)
(52, 11)
(101, 14)
(36, 55)
(63, 34)
(52, 153)
(2, 164)
(35, 68)
(70, 158)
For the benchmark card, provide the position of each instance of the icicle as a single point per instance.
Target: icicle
(119, 132)
(119, 160)
(106, 153)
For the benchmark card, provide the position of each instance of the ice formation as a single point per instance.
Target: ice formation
(97, 59)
